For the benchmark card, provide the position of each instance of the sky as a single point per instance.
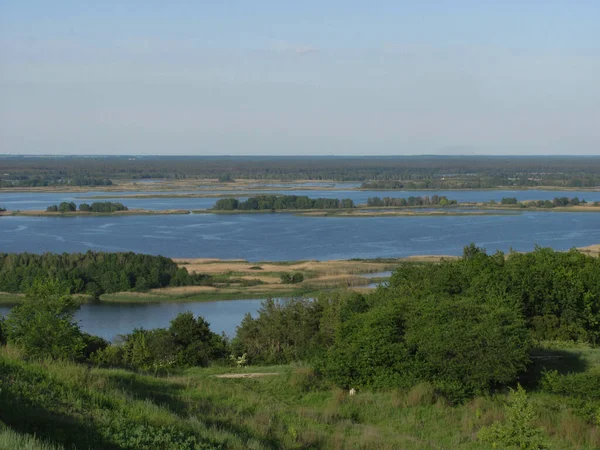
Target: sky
(321, 77)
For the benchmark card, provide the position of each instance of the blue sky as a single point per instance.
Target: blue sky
(317, 77)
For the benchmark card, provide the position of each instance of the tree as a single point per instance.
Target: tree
(43, 325)
(67, 207)
(196, 345)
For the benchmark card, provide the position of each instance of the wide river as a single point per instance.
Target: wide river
(36, 200)
(259, 237)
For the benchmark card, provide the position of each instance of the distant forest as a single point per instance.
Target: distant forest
(414, 172)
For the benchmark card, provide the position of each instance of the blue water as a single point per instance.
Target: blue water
(109, 321)
(35, 200)
(260, 237)
(278, 236)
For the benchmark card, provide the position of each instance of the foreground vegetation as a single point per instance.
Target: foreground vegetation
(64, 404)
(486, 351)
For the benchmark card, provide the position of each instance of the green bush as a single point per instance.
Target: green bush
(43, 325)
(585, 386)
(517, 431)
(2, 332)
(289, 278)
(187, 342)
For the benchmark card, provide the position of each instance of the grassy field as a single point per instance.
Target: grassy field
(64, 404)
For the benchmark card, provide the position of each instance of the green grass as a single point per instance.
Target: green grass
(75, 405)
(11, 440)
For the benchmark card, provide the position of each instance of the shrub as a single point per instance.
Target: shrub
(584, 385)
(43, 325)
(111, 356)
(517, 431)
(288, 278)
(2, 332)
(93, 344)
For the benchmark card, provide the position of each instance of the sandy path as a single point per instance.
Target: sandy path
(247, 375)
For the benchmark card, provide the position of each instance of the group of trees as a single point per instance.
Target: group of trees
(94, 273)
(554, 203)
(96, 207)
(465, 326)
(43, 326)
(187, 342)
(277, 202)
(434, 200)
(43, 181)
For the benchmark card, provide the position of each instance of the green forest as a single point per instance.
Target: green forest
(277, 202)
(93, 273)
(408, 172)
(486, 351)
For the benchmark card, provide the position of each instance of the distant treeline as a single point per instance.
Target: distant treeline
(556, 202)
(434, 200)
(412, 172)
(41, 181)
(96, 207)
(270, 202)
(93, 273)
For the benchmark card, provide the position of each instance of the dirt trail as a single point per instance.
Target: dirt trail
(247, 375)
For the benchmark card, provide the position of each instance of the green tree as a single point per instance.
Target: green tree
(43, 325)
(196, 344)
(67, 207)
